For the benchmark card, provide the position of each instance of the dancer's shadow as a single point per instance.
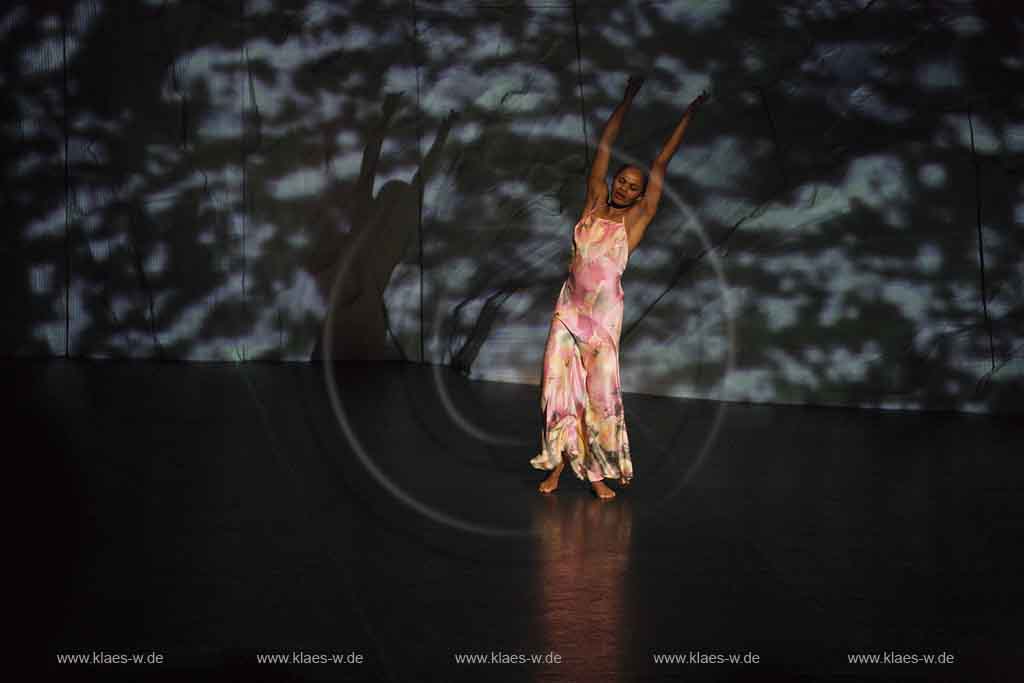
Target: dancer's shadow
(352, 269)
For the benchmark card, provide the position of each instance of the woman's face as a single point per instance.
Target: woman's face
(627, 187)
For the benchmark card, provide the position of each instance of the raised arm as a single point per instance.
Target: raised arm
(434, 154)
(652, 196)
(597, 189)
(362, 195)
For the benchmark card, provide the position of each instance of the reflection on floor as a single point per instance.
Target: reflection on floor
(217, 513)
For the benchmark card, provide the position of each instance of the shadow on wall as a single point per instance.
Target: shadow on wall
(192, 181)
(359, 263)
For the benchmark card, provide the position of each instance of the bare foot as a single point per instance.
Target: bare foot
(602, 490)
(551, 483)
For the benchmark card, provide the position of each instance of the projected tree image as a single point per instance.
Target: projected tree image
(200, 181)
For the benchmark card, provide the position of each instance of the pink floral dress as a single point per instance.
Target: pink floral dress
(581, 397)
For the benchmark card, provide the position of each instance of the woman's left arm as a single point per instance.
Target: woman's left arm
(649, 204)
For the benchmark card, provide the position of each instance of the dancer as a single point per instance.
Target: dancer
(581, 398)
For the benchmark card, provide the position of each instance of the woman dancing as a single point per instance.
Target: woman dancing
(581, 398)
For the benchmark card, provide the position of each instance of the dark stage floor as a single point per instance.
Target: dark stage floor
(213, 514)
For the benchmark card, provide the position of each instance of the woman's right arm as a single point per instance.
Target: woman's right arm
(597, 189)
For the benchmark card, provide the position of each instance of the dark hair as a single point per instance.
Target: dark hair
(642, 173)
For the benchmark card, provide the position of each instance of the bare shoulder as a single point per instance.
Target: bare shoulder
(592, 204)
(638, 216)
(597, 194)
(637, 220)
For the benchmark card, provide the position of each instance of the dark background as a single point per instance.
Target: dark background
(190, 180)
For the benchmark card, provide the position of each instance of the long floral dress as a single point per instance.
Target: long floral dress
(581, 397)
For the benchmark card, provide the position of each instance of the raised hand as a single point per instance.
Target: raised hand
(633, 86)
(698, 101)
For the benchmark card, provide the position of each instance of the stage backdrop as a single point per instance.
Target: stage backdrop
(228, 180)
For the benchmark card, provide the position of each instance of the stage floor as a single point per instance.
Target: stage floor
(215, 514)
